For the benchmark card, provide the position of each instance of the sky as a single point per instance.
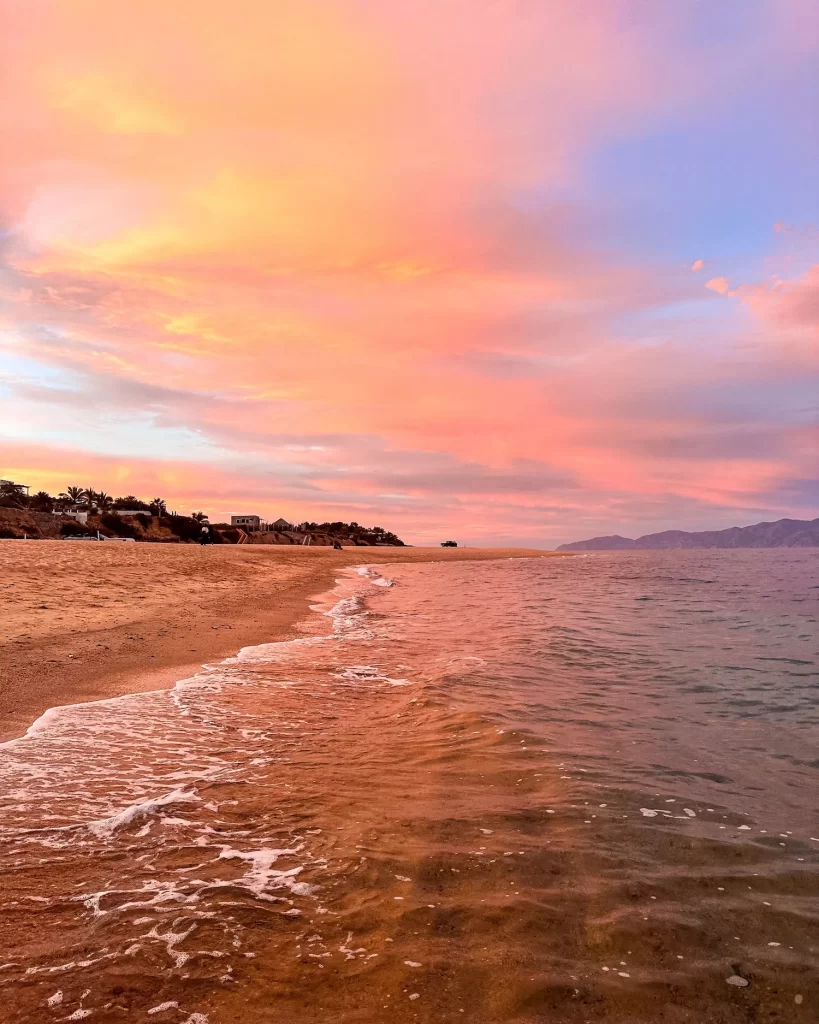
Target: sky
(500, 271)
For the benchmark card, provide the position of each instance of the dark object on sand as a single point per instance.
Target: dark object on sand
(337, 546)
(449, 544)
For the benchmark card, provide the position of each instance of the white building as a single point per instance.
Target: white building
(248, 523)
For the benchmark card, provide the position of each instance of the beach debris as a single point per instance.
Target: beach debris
(737, 981)
(412, 963)
(56, 999)
(689, 812)
(623, 974)
(798, 1000)
(415, 995)
(403, 878)
(774, 943)
(487, 831)
(647, 812)
(744, 828)
(164, 1006)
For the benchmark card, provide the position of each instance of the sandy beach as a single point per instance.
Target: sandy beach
(87, 621)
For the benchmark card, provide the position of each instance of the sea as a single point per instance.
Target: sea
(571, 789)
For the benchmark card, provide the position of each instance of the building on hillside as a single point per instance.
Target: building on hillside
(11, 483)
(250, 524)
(80, 517)
(281, 525)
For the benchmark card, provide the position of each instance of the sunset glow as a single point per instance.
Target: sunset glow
(514, 271)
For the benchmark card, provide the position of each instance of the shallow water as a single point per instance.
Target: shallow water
(560, 789)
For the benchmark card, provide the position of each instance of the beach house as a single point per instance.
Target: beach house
(247, 523)
(281, 525)
(22, 488)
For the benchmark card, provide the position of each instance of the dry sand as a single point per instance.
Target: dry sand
(82, 622)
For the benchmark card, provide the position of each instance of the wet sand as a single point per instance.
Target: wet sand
(84, 622)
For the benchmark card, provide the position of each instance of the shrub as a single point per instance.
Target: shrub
(70, 528)
(184, 527)
(117, 525)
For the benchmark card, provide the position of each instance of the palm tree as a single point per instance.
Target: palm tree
(200, 517)
(103, 501)
(75, 495)
(159, 506)
(89, 497)
(42, 501)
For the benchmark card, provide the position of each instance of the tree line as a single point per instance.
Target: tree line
(80, 499)
(88, 499)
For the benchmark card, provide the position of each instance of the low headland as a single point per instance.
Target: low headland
(84, 513)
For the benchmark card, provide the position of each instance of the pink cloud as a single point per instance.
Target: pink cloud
(788, 312)
(720, 285)
(321, 239)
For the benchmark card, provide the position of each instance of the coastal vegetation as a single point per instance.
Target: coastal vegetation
(46, 516)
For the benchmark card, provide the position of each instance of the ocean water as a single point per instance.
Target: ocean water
(575, 789)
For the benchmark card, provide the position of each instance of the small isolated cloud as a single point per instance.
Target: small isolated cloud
(719, 284)
(697, 265)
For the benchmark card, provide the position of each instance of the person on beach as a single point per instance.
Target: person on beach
(204, 535)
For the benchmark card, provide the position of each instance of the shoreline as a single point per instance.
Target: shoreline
(121, 621)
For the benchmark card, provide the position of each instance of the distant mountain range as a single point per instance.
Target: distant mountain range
(786, 533)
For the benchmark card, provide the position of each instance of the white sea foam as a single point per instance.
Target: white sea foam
(105, 827)
(55, 718)
(368, 674)
(261, 875)
(374, 577)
